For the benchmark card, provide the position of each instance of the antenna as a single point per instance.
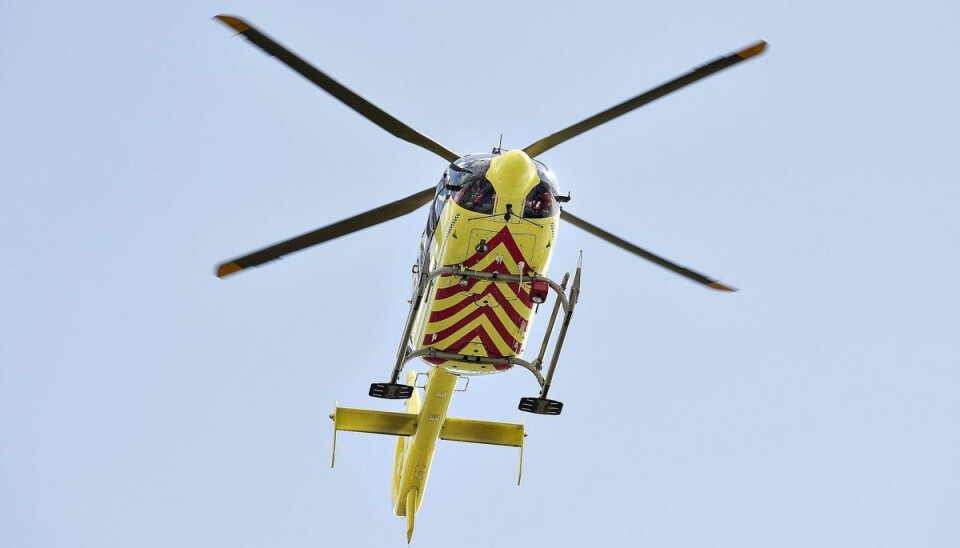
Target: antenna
(499, 147)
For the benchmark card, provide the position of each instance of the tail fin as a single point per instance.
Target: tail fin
(411, 512)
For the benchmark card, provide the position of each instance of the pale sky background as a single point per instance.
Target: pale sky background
(143, 402)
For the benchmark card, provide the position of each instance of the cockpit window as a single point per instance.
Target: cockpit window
(547, 176)
(466, 179)
(476, 193)
(541, 202)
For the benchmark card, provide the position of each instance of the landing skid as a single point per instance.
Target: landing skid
(539, 405)
(391, 391)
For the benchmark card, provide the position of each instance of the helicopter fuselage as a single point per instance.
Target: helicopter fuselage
(495, 213)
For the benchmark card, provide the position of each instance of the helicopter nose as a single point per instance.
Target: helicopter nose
(513, 172)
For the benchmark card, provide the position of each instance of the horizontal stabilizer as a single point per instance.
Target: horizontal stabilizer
(374, 422)
(492, 433)
(405, 424)
(348, 419)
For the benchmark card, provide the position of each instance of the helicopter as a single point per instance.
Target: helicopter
(479, 278)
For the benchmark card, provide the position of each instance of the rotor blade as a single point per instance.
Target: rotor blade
(563, 135)
(365, 108)
(623, 244)
(357, 222)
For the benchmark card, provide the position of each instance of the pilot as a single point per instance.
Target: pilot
(476, 196)
(539, 203)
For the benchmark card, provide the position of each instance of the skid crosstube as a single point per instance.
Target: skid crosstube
(566, 302)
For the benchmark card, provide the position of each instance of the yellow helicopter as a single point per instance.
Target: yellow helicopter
(479, 278)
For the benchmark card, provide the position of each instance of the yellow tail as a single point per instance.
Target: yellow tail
(407, 490)
(413, 408)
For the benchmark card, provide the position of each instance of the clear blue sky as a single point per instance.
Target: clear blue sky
(143, 402)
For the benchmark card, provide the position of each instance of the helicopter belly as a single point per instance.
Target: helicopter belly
(481, 318)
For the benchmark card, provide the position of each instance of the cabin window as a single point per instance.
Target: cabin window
(476, 193)
(541, 202)
(438, 205)
(432, 221)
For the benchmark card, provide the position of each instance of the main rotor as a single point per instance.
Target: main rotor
(399, 129)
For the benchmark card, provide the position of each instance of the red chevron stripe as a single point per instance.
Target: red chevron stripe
(471, 317)
(459, 345)
(473, 298)
(447, 292)
(505, 238)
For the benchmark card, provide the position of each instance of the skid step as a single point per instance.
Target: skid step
(541, 406)
(391, 391)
